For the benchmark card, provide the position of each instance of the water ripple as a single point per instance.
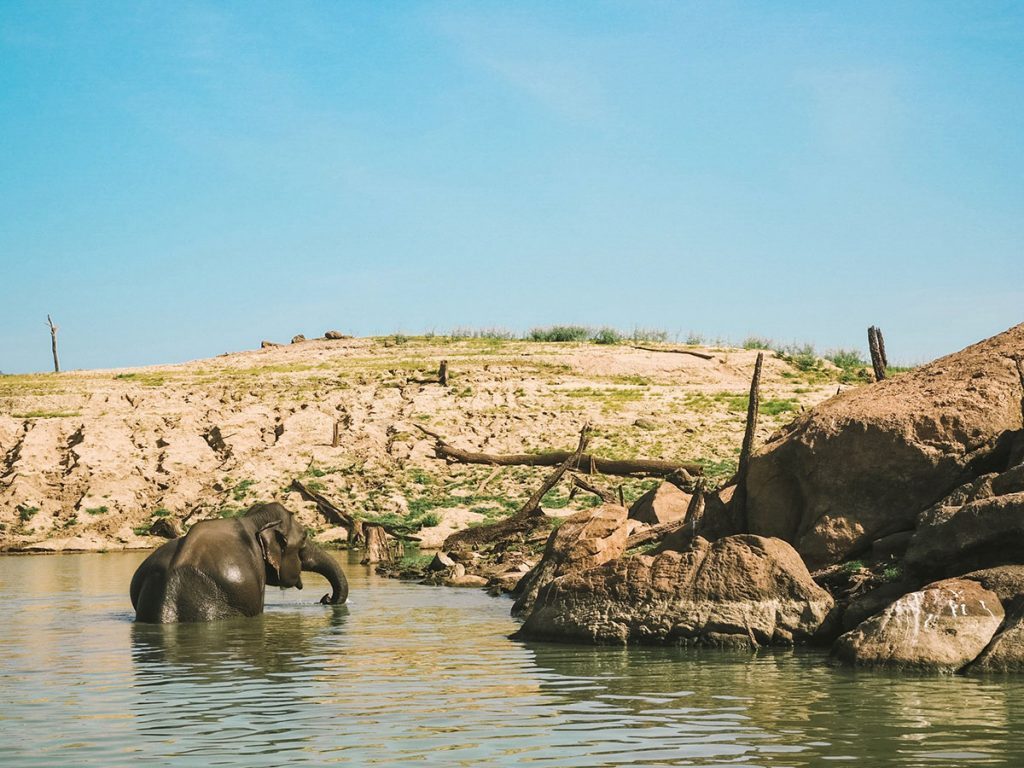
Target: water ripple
(408, 674)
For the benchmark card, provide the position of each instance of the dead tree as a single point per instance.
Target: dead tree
(53, 343)
(529, 515)
(442, 374)
(739, 500)
(877, 346)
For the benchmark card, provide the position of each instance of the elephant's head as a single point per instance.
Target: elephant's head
(287, 552)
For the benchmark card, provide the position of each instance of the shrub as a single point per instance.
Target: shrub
(607, 336)
(757, 342)
(560, 333)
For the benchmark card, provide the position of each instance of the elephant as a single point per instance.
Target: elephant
(220, 567)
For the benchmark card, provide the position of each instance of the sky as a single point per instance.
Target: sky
(179, 180)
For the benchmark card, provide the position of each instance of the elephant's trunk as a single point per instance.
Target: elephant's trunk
(320, 561)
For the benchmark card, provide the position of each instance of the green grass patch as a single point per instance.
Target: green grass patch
(756, 342)
(47, 415)
(26, 513)
(560, 333)
(241, 490)
(96, 511)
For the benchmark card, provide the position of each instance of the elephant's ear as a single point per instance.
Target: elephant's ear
(272, 543)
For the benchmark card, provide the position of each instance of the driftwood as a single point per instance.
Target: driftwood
(645, 467)
(527, 518)
(701, 355)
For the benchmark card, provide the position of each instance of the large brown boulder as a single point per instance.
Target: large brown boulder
(982, 533)
(584, 540)
(739, 590)
(663, 504)
(1006, 651)
(940, 628)
(866, 462)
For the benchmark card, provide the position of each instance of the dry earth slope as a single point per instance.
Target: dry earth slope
(89, 459)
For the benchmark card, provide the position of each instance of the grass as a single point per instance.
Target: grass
(241, 490)
(26, 513)
(47, 415)
(560, 333)
(96, 511)
(756, 342)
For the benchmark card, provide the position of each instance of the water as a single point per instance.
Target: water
(408, 674)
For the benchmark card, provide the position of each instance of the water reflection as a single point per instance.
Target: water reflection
(408, 674)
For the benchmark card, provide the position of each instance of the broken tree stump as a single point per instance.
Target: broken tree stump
(336, 440)
(381, 547)
(877, 347)
(752, 407)
(442, 374)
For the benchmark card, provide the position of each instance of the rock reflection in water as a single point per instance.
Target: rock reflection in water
(406, 674)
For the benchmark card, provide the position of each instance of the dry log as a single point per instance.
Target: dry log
(527, 518)
(701, 355)
(644, 467)
(381, 547)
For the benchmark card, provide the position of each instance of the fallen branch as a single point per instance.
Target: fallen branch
(529, 515)
(701, 355)
(606, 496)
(339, 517)
(646, 467)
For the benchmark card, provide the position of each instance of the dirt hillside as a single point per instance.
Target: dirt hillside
(91, 459)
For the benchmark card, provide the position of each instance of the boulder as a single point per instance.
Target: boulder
(165, 528)
(297, 338)
(865, 463)
(953, 540)
(940, 628)
(662, 504)
(334, 335)
(441, 562)
(267, 344)
(739, 590)
(1006, 651)
(584, 540)
(1007, 581)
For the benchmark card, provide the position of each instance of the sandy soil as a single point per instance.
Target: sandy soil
(88, 459)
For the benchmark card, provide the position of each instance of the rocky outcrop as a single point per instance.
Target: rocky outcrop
(1006, 651)
(740, 590)
(336, 335)
(584, 540)
(865, 463)
(940, 628)
(664, 503)
(980, 534)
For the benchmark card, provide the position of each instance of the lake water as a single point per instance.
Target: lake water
(407, 674)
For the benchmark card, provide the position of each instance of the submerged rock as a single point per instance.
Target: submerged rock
(585, 540)
(865, 463)
(740, 590)
(940, 628)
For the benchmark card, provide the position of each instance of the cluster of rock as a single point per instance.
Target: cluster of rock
(905, 498)
(299, 338)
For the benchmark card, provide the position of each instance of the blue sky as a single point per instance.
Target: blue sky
(179, 180)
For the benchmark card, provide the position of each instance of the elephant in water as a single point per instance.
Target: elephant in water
(220, 568)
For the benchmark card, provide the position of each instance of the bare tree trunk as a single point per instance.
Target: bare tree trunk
(53, 343)
(442, 374)
(877, 352)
